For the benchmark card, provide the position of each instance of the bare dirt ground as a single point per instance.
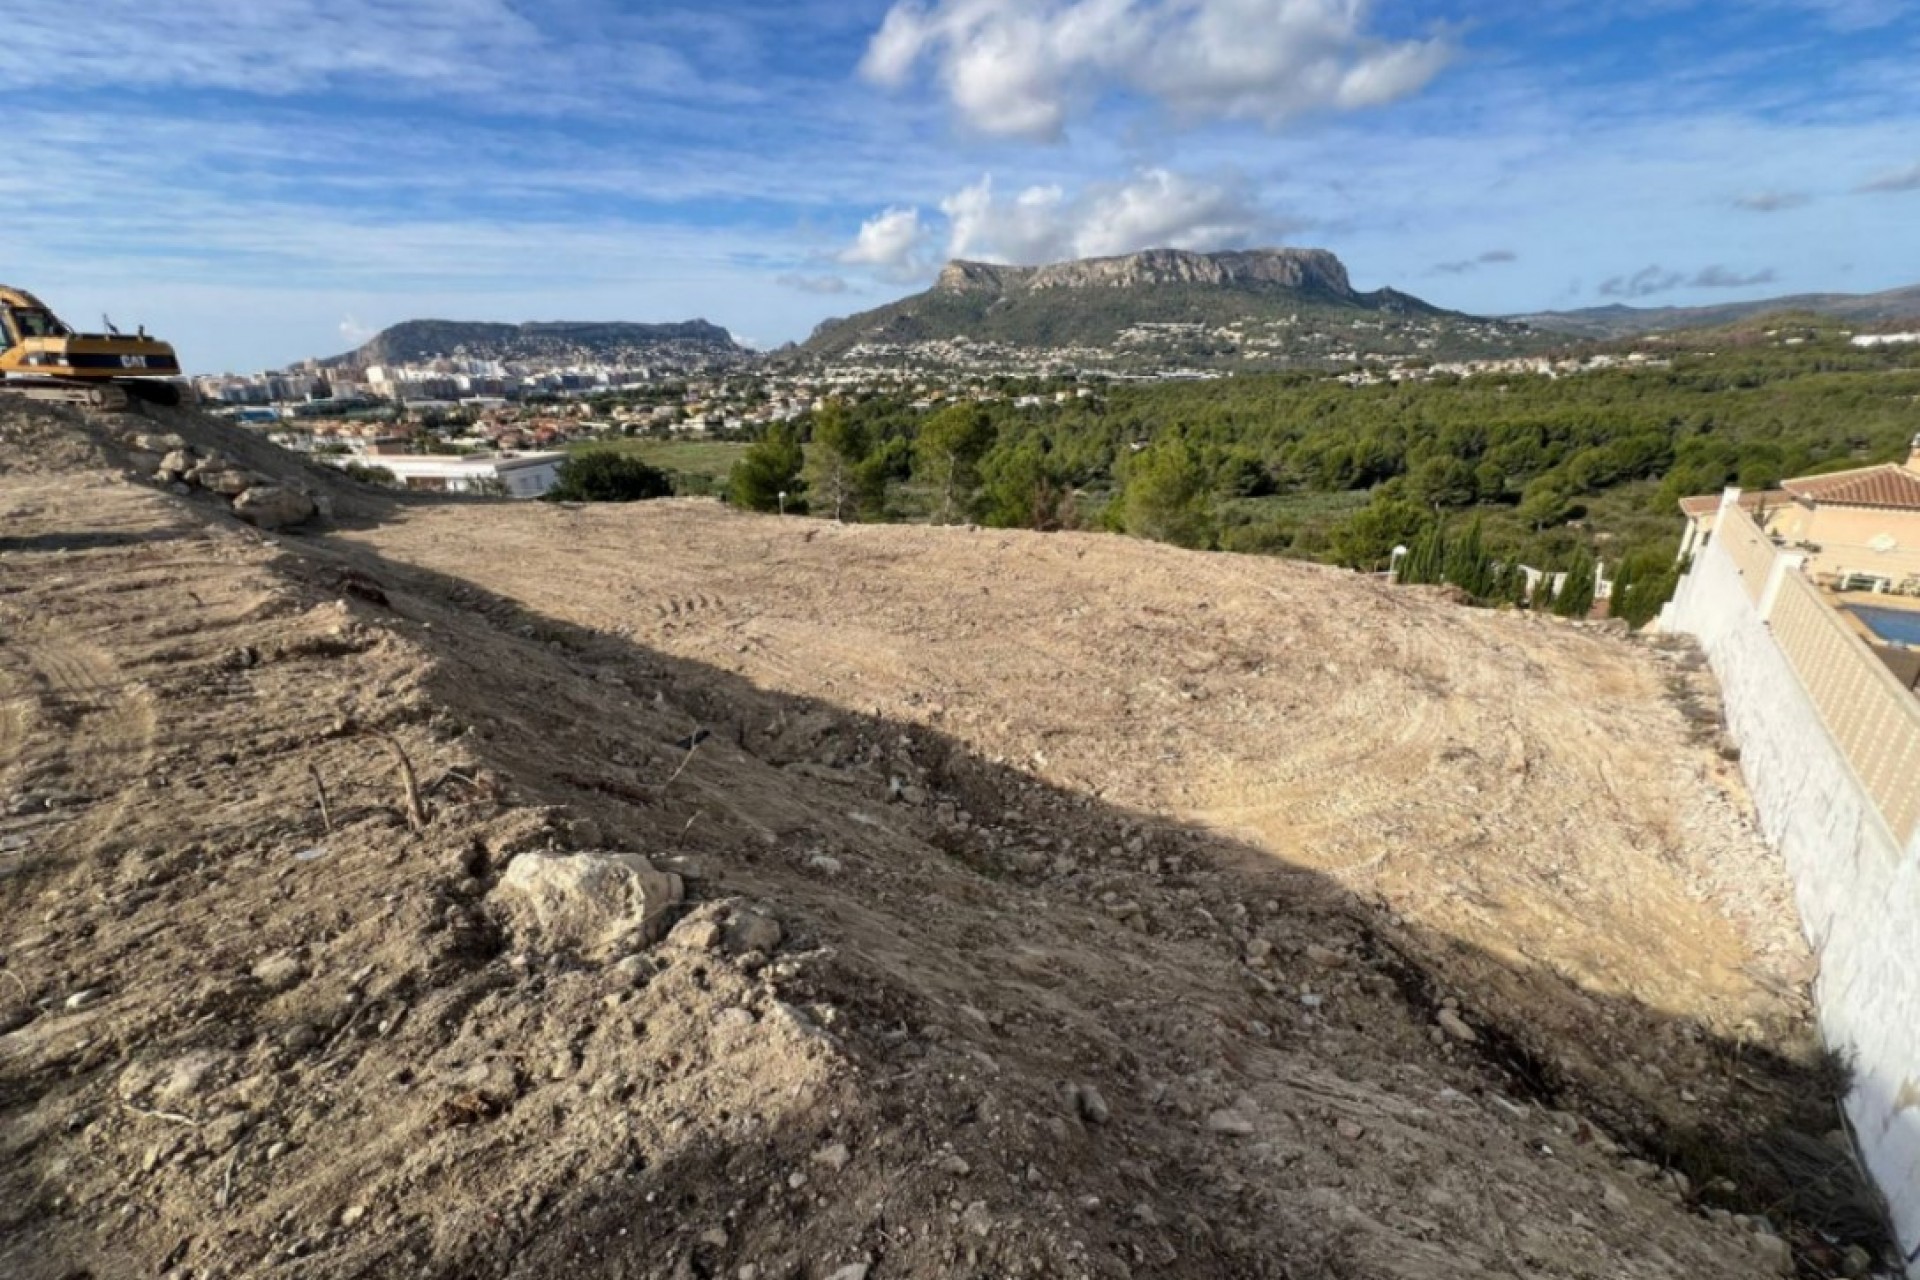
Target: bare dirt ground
(1054, 906)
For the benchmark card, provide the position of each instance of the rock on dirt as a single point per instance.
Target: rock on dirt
(270, 506)
(597, 904)
(753, 931)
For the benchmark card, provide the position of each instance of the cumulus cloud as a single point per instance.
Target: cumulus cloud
(823, 284)
(1022, 67)
(1907, 179)
(354, 332)
(1770, 201)
(1651, 280)
(1492, 257)
(1154, 210)
(894, 243)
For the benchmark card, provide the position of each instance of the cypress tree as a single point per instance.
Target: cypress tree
(1576, 593)
(1468, 565)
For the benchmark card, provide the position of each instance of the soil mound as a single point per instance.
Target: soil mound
(668, 893)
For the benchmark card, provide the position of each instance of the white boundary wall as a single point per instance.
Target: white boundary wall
(1856, 882)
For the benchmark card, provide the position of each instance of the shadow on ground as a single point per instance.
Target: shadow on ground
(982, 945)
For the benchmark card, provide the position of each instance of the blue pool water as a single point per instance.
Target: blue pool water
(1897, 625)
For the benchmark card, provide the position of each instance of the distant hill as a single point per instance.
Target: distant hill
(548, 342)
(1260, 307)
(1625, 322)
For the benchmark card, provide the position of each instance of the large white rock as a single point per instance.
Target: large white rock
(601, 905)
(271, 507)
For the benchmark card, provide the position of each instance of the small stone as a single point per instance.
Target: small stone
(715, 1237)
(1325, 957)
(796, 1180)
(1349, 1130)
(352, 1214)
(695, 934)
(1229, 1122)
(220, 1135)
(81, 999)
(280, 972)
(753, 931)
(731, 1020)
(953, 1165)
(278, 1150)
(975, 1219)
(1454, 1025)
(1615, 1199)
(230, 483)
(835, 1157)
(1777, 1253)
(852, 1271)
(186, 1079)
(1855, 1262)
(1092, 1107)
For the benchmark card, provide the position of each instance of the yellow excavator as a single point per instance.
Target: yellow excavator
(44, 359)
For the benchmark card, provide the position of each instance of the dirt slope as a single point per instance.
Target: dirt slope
(1054, 906)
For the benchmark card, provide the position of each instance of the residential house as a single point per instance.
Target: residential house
(1859, 528)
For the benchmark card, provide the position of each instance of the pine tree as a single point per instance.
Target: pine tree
(1166, 497)
(947, 456)
(838, 476)
(769, 469)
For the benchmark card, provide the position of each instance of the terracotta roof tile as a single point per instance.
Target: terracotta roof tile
(1891, 486)
(1707, 504)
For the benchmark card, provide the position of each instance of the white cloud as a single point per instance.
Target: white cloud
(285, 47)
(892, 242)
(1022, 67)
(821, 284)
(354, 332)
(1892, 182)
(1770, 201)
(1155, 210)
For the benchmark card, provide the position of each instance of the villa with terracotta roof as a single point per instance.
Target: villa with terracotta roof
(1859, 527)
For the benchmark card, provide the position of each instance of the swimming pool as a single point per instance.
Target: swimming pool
(1897, 626)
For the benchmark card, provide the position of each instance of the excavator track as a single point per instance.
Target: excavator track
(117, 396)
(108, 397)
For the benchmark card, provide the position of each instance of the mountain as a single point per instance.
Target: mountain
(1250, 308)
(547, 342)
(1625, 322)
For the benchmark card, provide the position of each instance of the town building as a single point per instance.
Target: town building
(512, 475)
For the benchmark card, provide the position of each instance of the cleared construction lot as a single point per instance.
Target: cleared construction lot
(1053, 905)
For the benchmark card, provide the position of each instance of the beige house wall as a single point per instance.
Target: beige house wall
(1844, 536)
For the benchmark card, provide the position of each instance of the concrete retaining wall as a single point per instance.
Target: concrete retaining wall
(1858, 888)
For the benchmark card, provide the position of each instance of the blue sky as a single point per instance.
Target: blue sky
(262, 180)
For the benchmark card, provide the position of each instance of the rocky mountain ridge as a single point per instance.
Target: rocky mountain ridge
(1314, 270)
(1622, 321)
(606, 342)
(1252, 308)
